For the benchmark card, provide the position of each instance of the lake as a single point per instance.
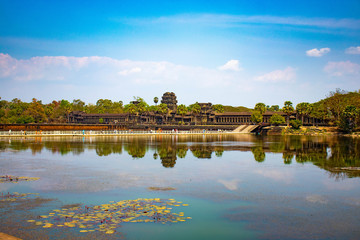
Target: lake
(181, 187)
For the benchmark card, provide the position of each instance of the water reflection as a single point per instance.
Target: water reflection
(338, 155)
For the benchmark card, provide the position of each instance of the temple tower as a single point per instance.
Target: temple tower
(169, 98)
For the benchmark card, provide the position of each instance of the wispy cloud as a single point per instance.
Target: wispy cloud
(353, 50)
(232, 65)
(286, 75)
(277, 175)
(339, 69)
(95, 69)
(234, 20)
(231, 185)
(317, 52)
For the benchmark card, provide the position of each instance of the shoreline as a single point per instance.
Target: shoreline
(140, 133)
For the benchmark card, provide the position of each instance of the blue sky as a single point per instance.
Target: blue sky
(228, 52)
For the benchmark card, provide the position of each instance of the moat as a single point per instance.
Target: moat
(218, 187)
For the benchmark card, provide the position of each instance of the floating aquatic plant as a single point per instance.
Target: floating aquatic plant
(161, 188)
(12, 197)
(10, 178)
(107, 217)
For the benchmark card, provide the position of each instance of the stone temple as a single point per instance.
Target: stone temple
(169, 98)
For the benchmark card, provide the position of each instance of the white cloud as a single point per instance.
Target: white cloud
(286, 75)
(317, 53)
(316, 199)
(339, 69)
(230, 184)
(277, 175)
(353, 50)
(93, 69)
(130, 71)
(232, 65)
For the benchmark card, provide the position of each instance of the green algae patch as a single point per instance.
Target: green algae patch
(107, 217)
(15, 179)
(161, 188)
(15, 196)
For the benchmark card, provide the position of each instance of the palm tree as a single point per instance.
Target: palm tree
(303, 109)
(288, 109)
(195, 109)
(163, 109)
(182, 110)
(156, 100)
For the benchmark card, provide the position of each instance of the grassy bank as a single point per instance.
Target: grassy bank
(313, 131)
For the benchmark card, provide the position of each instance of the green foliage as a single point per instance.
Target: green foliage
(195, 108)
(218, 108)
(131, 108)
(348, 118)
(273, 108)
(256, 117)
(333, 106)
(260, 107)
(303, 109)
(163, 108)
(181, 110)
(259, 154)
(101, 120)
(236, 109)
(156, 100)
(295, 124)
(287, 157)
(288, 109)
(277, 119)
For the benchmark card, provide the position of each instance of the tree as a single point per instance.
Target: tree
(195, 109)
(182, 110)
(288, 109)
(295, 124)
(78, 105)
(156, 100)
(36, 111)
(348, 118)
(335, 103)
(277, 119)
(260, 107)
(303, 109)
(66, 107)
(274, 108)
(256, 117)
(163, 109)
(218, 108)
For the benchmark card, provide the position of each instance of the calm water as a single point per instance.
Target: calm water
(237, 187)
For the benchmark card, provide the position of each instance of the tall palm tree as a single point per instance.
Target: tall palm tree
(288, 109)
(182, 110)
(303, 109)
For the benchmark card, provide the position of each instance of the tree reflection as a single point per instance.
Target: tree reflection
(287, 157)
(340, 156)
(259, 154)
(202, 151)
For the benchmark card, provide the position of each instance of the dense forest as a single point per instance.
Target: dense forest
(339, 108)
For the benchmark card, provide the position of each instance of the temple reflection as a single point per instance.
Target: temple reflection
(340, 156)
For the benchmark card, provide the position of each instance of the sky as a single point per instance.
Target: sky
(234, 53)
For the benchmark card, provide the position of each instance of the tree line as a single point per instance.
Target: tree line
(17, 111)
(339, 108)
